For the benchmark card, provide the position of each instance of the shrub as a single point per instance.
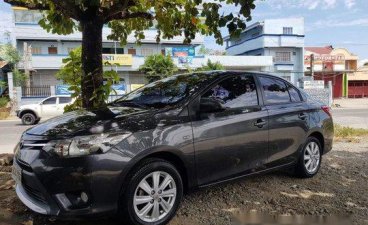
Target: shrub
(3, 102)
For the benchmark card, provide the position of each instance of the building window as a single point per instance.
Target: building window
(36, 50)
(288, 30)
(52, 50)
(255, 34)
(112, 50)
(146, 51)
(283, 57)
(132, 51)
(27, 16)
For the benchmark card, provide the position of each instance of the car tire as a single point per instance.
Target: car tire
(28, 119)
(310, 158)
(137, 206)
(37, 121)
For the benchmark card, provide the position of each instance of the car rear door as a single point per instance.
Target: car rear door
(63, 101)
(234, 141)
(49, 107)
(288, 119)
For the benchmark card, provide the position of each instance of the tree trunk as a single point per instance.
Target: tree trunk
(92, 77)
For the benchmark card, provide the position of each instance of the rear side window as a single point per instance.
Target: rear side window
(294, 94)
(64, 100)
(235, 92)
(49, 101)
(275, 90)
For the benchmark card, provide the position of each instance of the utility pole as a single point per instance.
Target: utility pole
(312, 65)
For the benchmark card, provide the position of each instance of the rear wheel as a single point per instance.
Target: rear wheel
(310, 159)
(153, 194)
(28, 119)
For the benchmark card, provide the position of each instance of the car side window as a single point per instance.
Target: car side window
(235, 92)
(275, 90)
(64, 100)
(49, 101)
(294, 94)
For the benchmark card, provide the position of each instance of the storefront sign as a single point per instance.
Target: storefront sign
(116, 89)
(185, 59)
(180, 51)
(319, 59)
(118, 59)
(135, 86)
(62, 89)
(314, 84)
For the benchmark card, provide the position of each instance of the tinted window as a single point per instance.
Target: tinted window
(64, 100)
(164, 92)
(294, 94)
(49, 101)
(235, 92)
(275, 90)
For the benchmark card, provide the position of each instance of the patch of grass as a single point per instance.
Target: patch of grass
(349, 132)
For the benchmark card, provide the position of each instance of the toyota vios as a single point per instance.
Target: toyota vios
(138, 156)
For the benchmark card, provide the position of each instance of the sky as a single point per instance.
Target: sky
(340, 23)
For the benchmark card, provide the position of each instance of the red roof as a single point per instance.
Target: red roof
(320, 50)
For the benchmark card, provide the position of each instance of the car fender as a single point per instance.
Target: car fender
(29, 110)
(187, 160)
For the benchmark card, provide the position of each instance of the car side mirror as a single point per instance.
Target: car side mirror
(210, 105)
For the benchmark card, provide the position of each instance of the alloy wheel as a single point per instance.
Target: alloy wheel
(312, 157)
(154, 196)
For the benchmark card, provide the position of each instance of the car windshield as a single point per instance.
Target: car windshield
(165, 92)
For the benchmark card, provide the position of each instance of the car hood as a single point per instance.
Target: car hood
(84, 122)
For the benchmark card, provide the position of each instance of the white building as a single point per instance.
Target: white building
(49, 49)
(283, 39)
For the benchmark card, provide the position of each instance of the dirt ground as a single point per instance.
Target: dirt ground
(339, 190)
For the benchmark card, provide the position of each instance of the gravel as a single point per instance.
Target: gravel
(339, 190)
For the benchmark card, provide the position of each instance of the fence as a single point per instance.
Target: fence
(323, 95)
(36, 91)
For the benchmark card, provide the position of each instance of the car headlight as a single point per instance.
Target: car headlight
(84, 145)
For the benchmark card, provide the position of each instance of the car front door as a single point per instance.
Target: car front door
(49, 107)
(233, 139)
(288, 119)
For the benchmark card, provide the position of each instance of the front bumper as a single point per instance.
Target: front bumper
(35, 206)
(53, 185)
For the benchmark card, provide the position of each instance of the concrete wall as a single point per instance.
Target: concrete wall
(275, 26)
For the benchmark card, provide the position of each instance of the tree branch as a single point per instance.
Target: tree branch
(68, 8)
(123, 15)
(31, 5)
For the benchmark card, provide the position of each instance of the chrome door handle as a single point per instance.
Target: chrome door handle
(260, 123)
(302, 116)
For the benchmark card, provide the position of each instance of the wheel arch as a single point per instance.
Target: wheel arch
(320, 138)
(170, 154)
(24, 111)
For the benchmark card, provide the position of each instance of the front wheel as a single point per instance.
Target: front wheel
(153, 194)
(310, 159)
(28, 119)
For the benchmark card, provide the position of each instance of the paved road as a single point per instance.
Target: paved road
(356, 118)
(10, 132)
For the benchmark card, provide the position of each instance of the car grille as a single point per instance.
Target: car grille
(36, 145)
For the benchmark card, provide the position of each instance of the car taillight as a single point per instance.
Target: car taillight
(327, 110)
